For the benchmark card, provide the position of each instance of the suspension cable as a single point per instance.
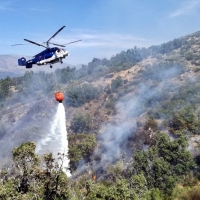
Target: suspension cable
(55, 81)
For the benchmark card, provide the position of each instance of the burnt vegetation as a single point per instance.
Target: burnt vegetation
(154, 89)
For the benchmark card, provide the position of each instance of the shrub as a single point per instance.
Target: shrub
(4, 88)
(110, 104)
(78, 95)
(81, 122)
(188, 194)
(109, 112)
(165, 162)
(185, 119)
(107, 89)
(80, 146)
(151, 123)
(162, 71)
(196, 70)
(116, 83)
(65, 74)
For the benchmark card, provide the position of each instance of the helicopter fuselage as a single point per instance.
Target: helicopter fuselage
(48, 56)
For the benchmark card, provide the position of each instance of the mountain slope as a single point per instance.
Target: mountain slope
(124, 97)
(133, 121)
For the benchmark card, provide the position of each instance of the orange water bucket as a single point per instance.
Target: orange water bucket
(59, 96)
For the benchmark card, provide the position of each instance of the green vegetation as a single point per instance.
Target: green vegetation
(81, 122)
(185, 120)
(64, 75)
(165, 163)
(78, 95)
(80, 146)
(152, 124)
(161, 71)
(34, 82)
(187, 193)
(4, 88)
(116, 83)
(27, 180)
(179, 108)
(154, 174)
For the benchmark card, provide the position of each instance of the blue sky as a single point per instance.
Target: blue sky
(106, 27)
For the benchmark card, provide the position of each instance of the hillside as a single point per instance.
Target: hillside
(129, 118)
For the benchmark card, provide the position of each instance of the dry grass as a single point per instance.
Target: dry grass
(193, 194)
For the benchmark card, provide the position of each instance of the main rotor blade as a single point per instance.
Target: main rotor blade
(17, 44)
(72, 42)
(60, 45)
(56, 33)
(35, 43)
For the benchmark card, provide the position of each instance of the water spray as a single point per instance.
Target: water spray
(63, 138)
(56, 140)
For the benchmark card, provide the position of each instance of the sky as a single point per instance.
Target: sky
(106, 27)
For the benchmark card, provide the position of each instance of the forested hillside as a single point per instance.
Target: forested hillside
(133, 122)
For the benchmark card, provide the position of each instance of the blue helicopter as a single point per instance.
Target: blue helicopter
(48, 56)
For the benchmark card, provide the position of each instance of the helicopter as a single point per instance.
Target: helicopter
(50, 55)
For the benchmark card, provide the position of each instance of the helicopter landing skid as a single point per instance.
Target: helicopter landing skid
(60, 60)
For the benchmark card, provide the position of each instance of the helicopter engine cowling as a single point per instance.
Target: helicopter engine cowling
(22, 61)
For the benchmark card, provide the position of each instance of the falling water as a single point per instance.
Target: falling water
(56, 140)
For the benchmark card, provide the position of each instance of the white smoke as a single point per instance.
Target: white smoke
(114, 136)
(56, 140)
